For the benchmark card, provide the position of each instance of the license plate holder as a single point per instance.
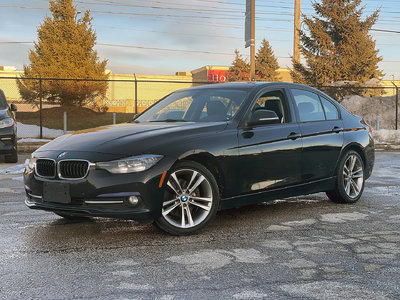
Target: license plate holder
(56, 192)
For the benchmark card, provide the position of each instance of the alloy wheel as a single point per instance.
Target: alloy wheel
(353, 176)
(189, 198)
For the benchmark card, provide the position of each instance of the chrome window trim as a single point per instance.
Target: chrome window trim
(90, 164)
(55, 167)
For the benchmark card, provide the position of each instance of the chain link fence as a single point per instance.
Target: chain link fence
(39, 116)
(378, 105)
(123, 98)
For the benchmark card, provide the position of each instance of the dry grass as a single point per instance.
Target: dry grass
(77, 118)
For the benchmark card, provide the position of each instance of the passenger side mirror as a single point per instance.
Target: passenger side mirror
(13, 107)
(263, 116)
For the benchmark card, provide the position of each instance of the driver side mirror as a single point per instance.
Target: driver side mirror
(263, 116)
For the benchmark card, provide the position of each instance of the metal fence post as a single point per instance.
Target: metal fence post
(65, 122)
(397, 107)
(114, 115)
(40, 107)
(136, 110)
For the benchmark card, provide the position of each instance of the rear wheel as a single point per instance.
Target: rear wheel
(191, 199)
(350, 179)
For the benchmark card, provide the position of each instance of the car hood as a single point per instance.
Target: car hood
(130, 138)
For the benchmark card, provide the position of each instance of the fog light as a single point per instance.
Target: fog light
(133, 200)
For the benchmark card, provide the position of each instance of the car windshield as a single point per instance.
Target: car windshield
(3, 101)
(196, 105)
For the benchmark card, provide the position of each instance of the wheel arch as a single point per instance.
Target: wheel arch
(355, 147)
(210, 162)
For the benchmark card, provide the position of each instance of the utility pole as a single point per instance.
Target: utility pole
(250, 28)
(253, 41)
(296, 43)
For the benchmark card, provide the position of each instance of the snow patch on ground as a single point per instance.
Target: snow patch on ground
(33, 131)
(207, 260)
(31, 140)
(248, 294)
(387, 136)
(13, 170)
(343, 217)
(331, 290)
(385, 190)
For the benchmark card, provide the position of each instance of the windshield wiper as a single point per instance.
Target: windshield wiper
(169, 120)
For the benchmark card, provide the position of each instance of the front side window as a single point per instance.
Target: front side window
(308, 105)
(196, 105)
(275, 101)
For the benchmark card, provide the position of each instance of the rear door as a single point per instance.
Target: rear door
(322, 133)
(269, 154)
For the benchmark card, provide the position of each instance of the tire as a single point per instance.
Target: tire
(191, 199)
(72, 217)
(350, 179)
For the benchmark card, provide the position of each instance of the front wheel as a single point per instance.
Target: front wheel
(191, 199)
(350, 179)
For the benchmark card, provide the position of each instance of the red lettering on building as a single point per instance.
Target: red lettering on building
(217, 76)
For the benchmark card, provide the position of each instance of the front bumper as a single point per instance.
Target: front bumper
(7, 140)
(102, 194)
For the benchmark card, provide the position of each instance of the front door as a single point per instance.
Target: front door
(270, 154)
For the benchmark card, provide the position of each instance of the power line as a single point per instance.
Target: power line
(385, 30)
(146, 48)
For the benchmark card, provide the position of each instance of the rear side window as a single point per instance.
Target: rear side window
(3, 101)
(308, 105)
(331, 111)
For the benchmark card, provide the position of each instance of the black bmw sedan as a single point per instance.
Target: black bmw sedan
(203, 149)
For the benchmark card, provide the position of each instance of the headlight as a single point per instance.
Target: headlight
(30, 163)
(8, 122)
(130, 164)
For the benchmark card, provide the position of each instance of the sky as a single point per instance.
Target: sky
(167, 36)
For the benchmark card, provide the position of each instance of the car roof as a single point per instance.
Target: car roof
(258, 85)
(250, 85)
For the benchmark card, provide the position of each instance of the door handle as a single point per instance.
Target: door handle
(294, 135)
(337, 129)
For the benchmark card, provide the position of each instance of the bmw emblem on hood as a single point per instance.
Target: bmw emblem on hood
(61, 155)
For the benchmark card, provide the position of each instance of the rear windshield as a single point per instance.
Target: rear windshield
(3, 101)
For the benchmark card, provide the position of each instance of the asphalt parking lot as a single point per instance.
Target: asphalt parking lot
(298, 248)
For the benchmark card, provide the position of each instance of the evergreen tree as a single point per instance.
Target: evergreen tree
(240, 69)
(266, 63)
(65, 50)
(338, 46)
